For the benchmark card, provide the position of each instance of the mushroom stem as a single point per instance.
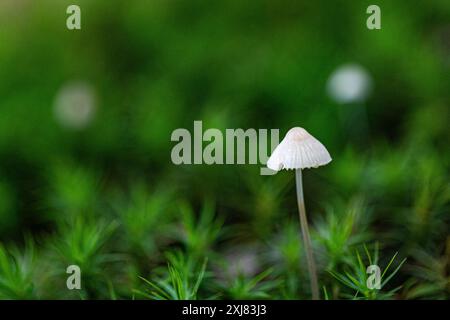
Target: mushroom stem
(306, 237)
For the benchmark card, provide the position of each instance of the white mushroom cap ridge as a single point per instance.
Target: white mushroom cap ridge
(298, 150)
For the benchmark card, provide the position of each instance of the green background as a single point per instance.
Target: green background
(108, 198)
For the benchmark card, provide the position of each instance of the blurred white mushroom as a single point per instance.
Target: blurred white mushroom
(300, 150)
(349, 83)
(242, 262)
(75, 105)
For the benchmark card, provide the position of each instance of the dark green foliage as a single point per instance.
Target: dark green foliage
(181, 280)
(355, 276)
(17, 274)
(107, 197)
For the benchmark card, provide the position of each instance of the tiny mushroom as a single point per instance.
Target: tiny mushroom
(300, 150)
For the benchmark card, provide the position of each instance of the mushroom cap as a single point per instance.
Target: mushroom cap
(298, 150)
(349, 83)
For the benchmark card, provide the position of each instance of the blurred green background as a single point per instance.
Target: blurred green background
(86, 176)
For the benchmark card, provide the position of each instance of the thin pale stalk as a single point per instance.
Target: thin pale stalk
(306, 238)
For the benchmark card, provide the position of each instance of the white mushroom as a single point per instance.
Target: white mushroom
(75, 105)
(349, 83)
(300, 150)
